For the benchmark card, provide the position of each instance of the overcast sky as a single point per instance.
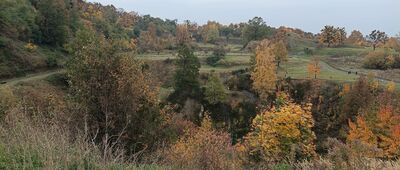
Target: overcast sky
(308, 15)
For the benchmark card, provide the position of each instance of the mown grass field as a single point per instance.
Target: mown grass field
(335, 62)
(296, 67)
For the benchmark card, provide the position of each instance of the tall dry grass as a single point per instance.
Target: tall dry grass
(32, 144)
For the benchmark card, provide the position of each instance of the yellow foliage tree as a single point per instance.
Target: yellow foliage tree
(314, 68)
(264, 75)
(182, 34)
(210, 32)
(281, 53)
(282, 131)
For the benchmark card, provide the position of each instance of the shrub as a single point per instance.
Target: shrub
(41, 100)
(212, 60)
(203, 148)
(59, 80)
(31, 47)
(218, 54)
(308, 51)
(214, 91)
(51, 61)
(381, 60)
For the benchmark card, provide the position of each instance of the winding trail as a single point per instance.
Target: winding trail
(30, 77)
(360, 73)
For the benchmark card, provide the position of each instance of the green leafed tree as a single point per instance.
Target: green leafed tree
(215, 91)
(256, 29)
(53, 21)
(187, 76)
(17, 19)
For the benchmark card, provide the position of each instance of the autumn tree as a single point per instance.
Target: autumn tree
(359, 130)
(280, 52)
(210, 32)
(182, 34)
(314, 67)
(128, 19)
(356, 38)
(214, 91)
(148, 40)
(393, 43)
(381, 130)
(356, 97)
(282, 131)
(186, 76)
(340, 36)
(264, 74)
(327, 35)
(377, 37)
(116, 93)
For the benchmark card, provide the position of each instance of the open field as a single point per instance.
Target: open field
(296, 67)
(333, 67)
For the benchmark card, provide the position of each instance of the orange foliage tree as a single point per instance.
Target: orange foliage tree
(381, 130)
(314, 68)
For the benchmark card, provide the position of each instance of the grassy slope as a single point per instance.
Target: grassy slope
(16, 60)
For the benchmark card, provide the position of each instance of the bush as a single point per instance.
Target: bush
(381, 60)
(218, 54)
(212, 60)
(58, 79)
(31, 47)
(308, 51)
(41, 100)
(51, 61)
(203, 148)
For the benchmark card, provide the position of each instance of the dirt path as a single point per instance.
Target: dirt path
(29, 77)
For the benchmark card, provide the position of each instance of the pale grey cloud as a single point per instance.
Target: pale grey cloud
(309, 15)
